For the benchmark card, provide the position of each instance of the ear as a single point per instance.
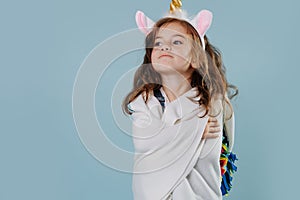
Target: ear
(144, 23)
(202, 22)
(194, 65)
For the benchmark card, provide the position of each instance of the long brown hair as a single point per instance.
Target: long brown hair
(209, 77)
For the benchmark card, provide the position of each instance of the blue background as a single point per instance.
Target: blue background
(43, 44)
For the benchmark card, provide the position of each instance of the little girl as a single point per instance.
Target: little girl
(178, 104)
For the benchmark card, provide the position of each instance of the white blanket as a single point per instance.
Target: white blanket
(171, 158)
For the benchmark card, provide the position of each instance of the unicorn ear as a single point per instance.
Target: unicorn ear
(144, 23)
(202, 21)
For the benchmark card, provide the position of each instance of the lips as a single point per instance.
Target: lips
(165, 56)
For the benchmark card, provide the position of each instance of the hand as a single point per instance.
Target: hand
(212, 129)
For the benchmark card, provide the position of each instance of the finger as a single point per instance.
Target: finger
(212, 119)
(210, 135)
(214, 129)
(213, 124)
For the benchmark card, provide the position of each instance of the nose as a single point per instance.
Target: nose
(165, 48)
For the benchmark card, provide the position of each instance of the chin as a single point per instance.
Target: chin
(162, 67)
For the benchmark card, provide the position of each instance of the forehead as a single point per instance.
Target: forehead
(173, 28)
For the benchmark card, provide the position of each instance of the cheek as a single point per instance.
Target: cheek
(153, 58)
(154, 55)
(184, 56)
(184, 52)
(188, 55)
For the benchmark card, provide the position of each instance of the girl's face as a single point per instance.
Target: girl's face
(172, 50)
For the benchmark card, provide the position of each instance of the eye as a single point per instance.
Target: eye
(177, 42)
(157, 44)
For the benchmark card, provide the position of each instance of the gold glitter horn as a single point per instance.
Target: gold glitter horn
(175, 6)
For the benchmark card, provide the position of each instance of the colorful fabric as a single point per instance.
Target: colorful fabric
(227, 160)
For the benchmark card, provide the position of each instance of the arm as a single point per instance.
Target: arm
(149, 127)
(146, 127)
(229, 124)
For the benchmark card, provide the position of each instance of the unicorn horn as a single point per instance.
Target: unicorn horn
(175, 6)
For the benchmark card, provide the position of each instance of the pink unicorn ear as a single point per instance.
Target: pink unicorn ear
(144, 23)
(202, 23)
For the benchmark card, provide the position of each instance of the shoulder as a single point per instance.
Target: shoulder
(138, 103)
(229, 122)
(217, 106)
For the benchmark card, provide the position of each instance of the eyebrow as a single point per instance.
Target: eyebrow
(175, 35)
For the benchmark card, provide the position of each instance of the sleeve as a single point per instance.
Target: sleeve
(229, 124)
(140, 114)
(146, 127)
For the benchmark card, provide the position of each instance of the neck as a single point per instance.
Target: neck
(174, 86)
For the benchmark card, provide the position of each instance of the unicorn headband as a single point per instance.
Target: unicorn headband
(201, 22)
